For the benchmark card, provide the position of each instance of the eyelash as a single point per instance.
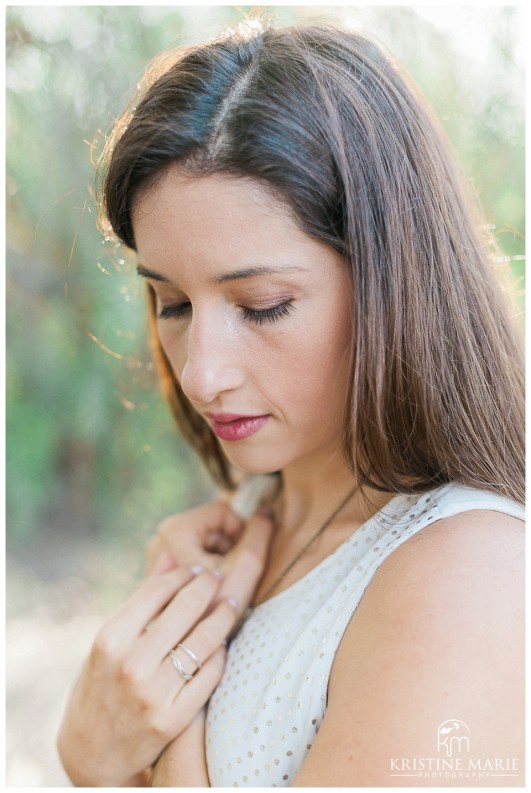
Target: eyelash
(273, 314)
(258, 316)
(174, 312)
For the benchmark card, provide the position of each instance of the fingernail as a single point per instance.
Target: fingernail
(197, 568)
(234, 603)
(218, 574)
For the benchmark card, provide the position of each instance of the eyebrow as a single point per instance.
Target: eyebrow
(234, 275)
(143, 272)
(250, 272)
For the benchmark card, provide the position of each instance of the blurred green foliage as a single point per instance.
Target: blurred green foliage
(91, 449)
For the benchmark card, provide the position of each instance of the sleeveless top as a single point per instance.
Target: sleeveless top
(264, 716)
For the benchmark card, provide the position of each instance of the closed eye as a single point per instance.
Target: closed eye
(272, 314)
(174, 312)
(258, 316)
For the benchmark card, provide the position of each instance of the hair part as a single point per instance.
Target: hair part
(320, 117)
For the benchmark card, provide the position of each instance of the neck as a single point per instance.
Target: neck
(319, 498)
(312, 489)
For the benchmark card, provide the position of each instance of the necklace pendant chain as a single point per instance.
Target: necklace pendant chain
(303, 550)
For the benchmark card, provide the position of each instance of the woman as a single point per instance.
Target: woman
(323, 310)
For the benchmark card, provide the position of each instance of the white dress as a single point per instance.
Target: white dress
(264, 716)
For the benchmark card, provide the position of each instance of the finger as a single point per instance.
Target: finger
(218, 543)
(177, 620)
(141, 608)
(187, 536)
(205, 519)
(218, 516)
(163, 563)
(250, 561)
(209, 634)
(177, 700)
(196, 692)
(196, 648)
(174, 702)
(186, 550)
(152, 550)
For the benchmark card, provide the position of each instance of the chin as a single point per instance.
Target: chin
(257, 462)
(255, 469)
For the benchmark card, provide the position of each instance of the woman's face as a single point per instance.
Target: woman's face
(253, 315)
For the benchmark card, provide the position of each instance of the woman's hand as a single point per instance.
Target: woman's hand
(214, 536)
(198, 536)
(129, 701)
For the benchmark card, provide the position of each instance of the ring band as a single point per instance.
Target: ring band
(191, 655)
(178, 665)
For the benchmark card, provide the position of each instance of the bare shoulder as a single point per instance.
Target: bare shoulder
(437, 636)
(458, 582)
(479, 553)
(488, 529)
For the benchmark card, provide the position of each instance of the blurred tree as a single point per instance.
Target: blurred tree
(91, 448)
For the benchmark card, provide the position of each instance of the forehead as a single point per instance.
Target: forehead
(219, 197)
(218, 221)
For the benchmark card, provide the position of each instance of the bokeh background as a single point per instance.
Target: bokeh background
(93, 462)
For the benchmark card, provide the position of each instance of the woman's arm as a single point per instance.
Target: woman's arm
(438, 636)
(183, 762)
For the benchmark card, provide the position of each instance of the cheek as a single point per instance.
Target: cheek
(173, 349)
(311, 371)
(173, 346)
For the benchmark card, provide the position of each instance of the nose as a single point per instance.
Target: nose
(213, 360)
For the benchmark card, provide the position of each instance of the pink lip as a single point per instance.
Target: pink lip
(232, 427)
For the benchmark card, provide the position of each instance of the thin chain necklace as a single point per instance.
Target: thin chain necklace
(303, 550)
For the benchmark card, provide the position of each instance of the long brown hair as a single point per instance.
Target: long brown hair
(323, 119)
